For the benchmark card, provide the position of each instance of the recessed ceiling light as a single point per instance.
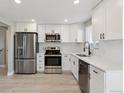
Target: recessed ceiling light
(76, 2)
(66, 20)
(33, 20)
(18, 1)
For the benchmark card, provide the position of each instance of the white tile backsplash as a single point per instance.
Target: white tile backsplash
(110, 51)
(66, 48)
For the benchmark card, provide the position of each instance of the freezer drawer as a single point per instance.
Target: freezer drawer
(25, 66)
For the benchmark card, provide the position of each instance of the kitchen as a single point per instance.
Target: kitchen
(73, 49)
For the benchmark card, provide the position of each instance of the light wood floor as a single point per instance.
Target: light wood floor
(39, 83)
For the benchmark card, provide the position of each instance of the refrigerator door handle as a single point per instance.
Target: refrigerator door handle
(24, 49)
(37, 47)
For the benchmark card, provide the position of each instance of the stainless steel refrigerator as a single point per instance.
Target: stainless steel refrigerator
(25, 49)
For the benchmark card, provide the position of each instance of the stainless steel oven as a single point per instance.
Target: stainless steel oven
(53, 59)
(53, 64)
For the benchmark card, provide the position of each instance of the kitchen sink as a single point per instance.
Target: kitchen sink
(82, 55)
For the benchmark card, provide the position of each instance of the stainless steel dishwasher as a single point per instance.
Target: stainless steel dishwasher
(84, 76)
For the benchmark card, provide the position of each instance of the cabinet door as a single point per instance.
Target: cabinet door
(114, 18)
(41, 33)
(72, 65)
(98, 22)
(76, 68)
(32, 27)
(53, 28)
(114, 82)
(65, 33)
(73, 33)
(66, 65)
(40, 62)
(26, 27)
(20, 27)
(76, 32)
(80, 35)
(96, 80)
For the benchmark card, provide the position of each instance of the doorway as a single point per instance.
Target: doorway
(3, 50)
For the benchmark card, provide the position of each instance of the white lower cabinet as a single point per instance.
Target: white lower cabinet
(65, 33)
(40, 62)
(105, 82)
(75, 67)
(66, 64)
(96, 80)
(114, 82)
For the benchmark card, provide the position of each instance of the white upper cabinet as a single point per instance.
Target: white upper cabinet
(76, 32)
(65, 33)
(98, 22)
(114, 18)
(26, 27)
(107, 20)
(52, 28)
(41, 33)
(69, 33)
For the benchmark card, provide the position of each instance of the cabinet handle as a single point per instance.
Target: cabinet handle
(74, 62)
(89, 76)
(100, 36)
(116, 91)
(95, 71)
(103, 36)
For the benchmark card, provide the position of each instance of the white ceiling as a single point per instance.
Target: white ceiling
(47, 11)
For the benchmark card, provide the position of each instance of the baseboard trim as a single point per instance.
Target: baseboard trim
(10, 73)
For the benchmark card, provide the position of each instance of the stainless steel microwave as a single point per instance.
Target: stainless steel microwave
(52, 37)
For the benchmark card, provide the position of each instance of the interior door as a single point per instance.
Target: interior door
(3, 50)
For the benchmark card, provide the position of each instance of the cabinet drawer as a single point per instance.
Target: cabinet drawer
(40, 56)
(40, 67)
(95, 72)
(40, 64)
(40, 61)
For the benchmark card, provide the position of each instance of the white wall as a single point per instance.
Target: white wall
(1, 40)
(10, 52)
